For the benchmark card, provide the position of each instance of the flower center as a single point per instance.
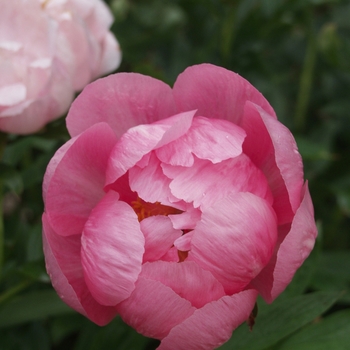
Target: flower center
(144, 209)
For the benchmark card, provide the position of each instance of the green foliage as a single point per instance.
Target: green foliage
(297, 53)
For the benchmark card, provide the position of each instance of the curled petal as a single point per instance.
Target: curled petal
(186, 220)
(212, 139)
(212, 325)
(122, 100)
(216, 93)
(142, 139)
(235, 239)
(290, 253)
(74, 183)
(153, 309)
(112, 250)
(150, 183)
(204, 183)
(62, 256)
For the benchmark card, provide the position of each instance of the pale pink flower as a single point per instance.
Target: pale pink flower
(175, 207)
(50, 49)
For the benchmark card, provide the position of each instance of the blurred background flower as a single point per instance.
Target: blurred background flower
(49, 49)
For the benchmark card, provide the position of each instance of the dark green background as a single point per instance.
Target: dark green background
(297, 53)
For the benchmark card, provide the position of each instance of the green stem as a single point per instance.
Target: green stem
(14, 290)
(228, 33)
(305, 85)
(3, 139)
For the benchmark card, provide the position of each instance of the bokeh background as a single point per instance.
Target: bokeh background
(297, 53)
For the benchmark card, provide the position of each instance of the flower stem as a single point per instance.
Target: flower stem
(3, 138)
(305, 85)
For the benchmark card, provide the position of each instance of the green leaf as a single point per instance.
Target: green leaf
(279, 320)
(332, 332)
(32, 306)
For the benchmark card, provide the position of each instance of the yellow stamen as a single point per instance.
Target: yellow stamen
(144, 209)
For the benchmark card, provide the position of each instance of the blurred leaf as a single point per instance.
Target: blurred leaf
(11, 178)
(63, 327)
(329, 333)
(31, 337)
(279, 320)
(329, 43)
(342, 191)
(32, 306)
(35, 271)
(115, 333)
(332, 273)
(313, 150)
(16, 151)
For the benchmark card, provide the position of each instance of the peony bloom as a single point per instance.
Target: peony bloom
(175, 208)
(48, 50)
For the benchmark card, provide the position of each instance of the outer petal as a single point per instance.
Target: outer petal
(235, 239)
(272, 148)
(62, 256)
(153, 309)
(122, 100)
(142, 139)
(76, 185)
(291, 253)
(112, 250)
(212, 325)
(216, 93)
(186, 279)
(159, 236)
(54, 162)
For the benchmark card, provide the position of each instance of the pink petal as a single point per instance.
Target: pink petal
(204, 183)
(122, 100)
(159, 236)
(111, 55)
(153, 309)
(171, 255)
(62, 256)
(272, 148)
(186, 220)
(216, 93)
(212, 325)
(12, 94)
(76, 183)
(142, 139)
(112, 250)
(186, 279)
(235, 239)
(54, 162)
(150, 183)
(211, 139)
(74, 51)
(183, 243)
(290, 253)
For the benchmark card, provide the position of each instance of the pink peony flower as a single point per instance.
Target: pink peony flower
(48, 50)
(175, 207)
